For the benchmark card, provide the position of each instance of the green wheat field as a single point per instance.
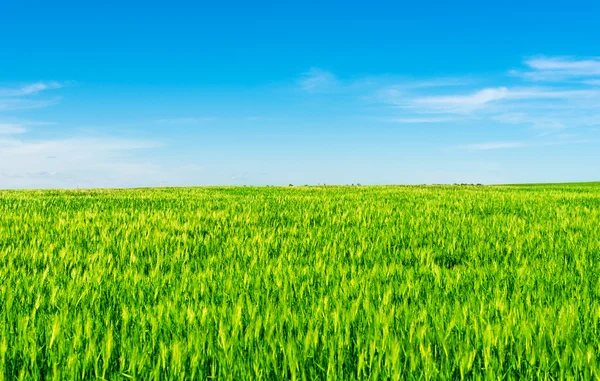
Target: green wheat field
(301, 283)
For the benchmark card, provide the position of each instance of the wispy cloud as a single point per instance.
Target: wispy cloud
(14, 126)
(569, 64)
(75, 160)
(29, 89)
(566, 139)
(492, 146)
(11, 129)
(70, 146)
(25, 97)
(461, 103)
(185, 120)
(547, 123)
(402, 84)
(12, 104)
(416, 120)
(83, 161)
(554, 69)
(570, 102)
(318, 80)
(564, 107)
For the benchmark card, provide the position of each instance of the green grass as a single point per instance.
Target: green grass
(301, 283)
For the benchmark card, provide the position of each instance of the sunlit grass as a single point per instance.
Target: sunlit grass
(301, 283)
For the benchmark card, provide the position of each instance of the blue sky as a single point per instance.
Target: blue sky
(121, 94)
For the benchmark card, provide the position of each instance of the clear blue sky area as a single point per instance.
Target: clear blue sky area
(131, 93)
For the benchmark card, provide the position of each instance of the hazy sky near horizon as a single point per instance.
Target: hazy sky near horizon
(132, 93)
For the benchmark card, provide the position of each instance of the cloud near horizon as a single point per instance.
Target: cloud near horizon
(72, 161)
(561, 111)
(76, 160)
(11, 129)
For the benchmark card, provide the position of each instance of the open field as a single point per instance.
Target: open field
(301, 283)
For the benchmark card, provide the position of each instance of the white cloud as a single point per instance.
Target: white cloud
(557, 69)
(481, 98)
(410, 84)
(70, 162)
(185, 120)
(12, 104)
(545, 110)
(30, 89)
(11, 129)
(492, 146)
(16, 126)
(463, 103)
(548, 123)
(565, 139)
(318, 80)
(569, 65)
(415, 120)
(22, 98)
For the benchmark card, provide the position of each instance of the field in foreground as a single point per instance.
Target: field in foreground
(301, 283)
